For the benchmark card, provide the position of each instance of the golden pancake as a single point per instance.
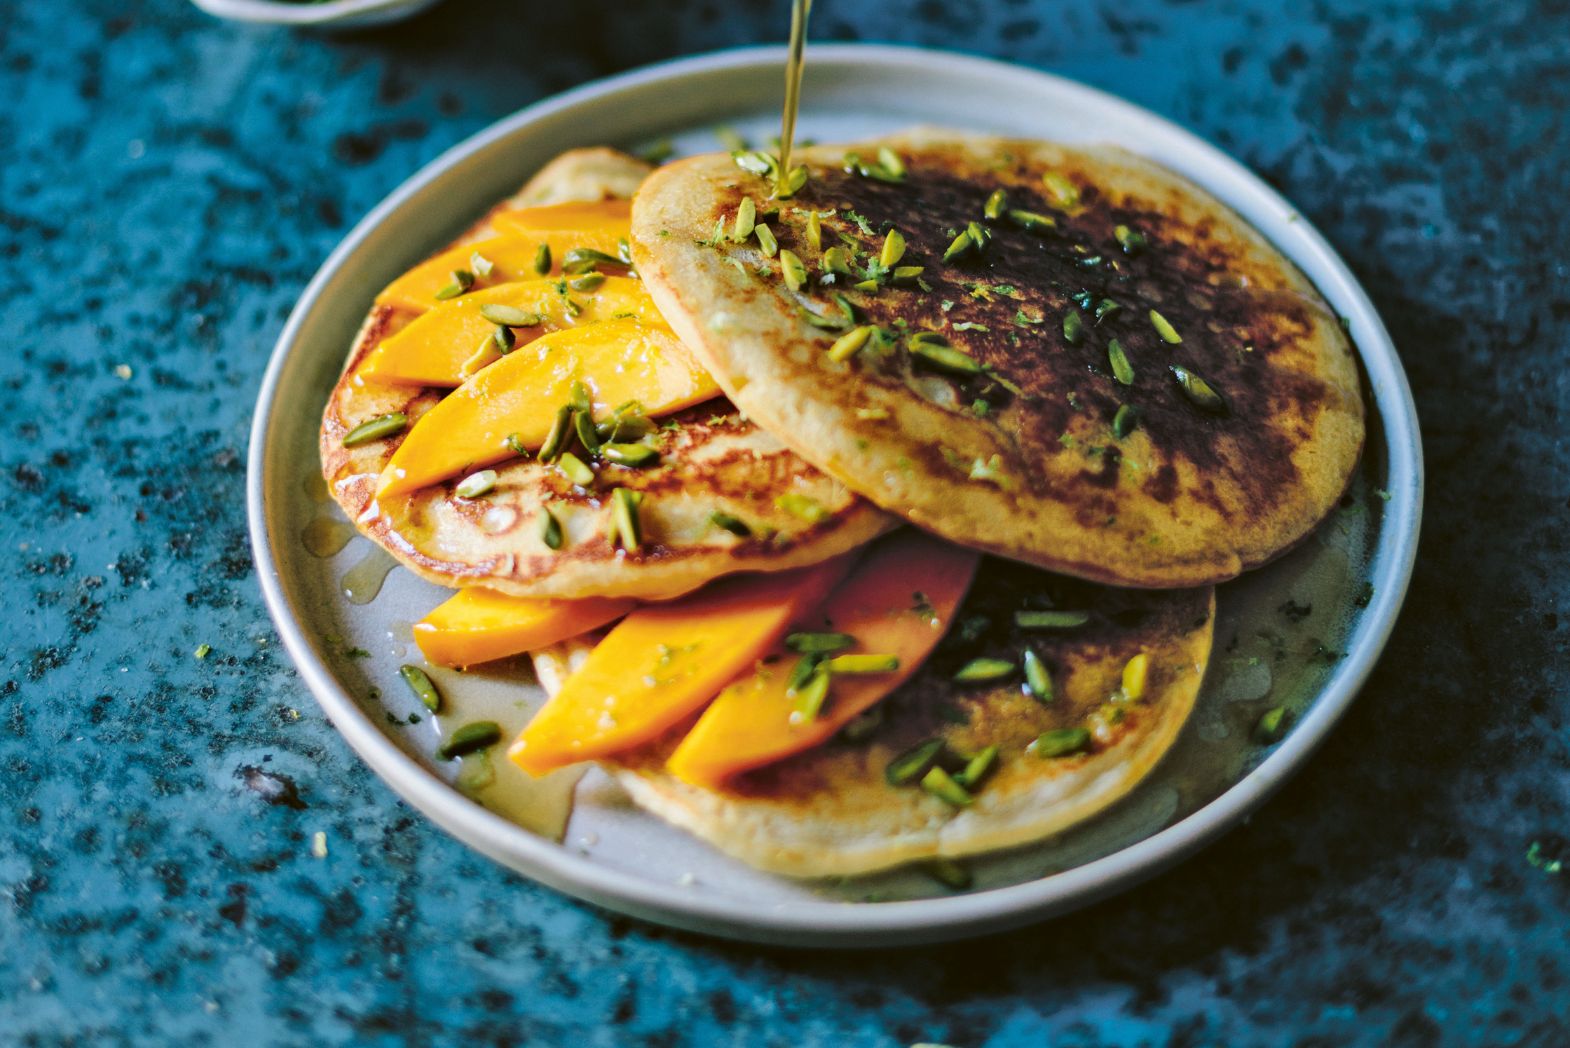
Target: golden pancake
(724, 497)
(831, 811)
(1121, 380)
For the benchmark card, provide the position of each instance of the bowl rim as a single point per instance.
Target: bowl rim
(830, 923)
(282, 12)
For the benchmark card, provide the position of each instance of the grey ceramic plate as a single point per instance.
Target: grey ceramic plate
(1350, 577)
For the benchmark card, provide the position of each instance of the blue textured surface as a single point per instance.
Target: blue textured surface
(169, 183)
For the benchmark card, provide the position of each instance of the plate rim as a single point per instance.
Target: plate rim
(834, 923)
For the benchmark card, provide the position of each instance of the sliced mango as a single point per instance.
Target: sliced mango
(899, 600)
(434, 348)
(478, 625)
(512, 254)
(618, 360)
(661, 663)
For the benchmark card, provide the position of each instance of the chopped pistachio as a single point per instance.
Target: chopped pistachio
(997, 204)
(1125, 421)
(1073, 326)
(911, 765)
(850, 343)
(1062, 742)
(1063, 192)
(575, 470)
(891, 162)
(1135, 673)
(746, 220)
(420, 683)
(1122, 370)
(862, 664)
(1199, 392)
(476, 735)
(733, 524)
(794, 273)
(1132, 241)
(991, 469)
(588, 435)
(940, 355)
(1164, 328)
(1271, 724)
(959, 246)
(1032, 221)
(203, 650)
(799, 505)
(893, 249)
(977, 768)
(1050, 619)
(560, 432)
(588, 282)
(809, 698)
(629, 454)
(941, 785)
(476, 484)
(1104, 309)
(814, 231)
(836, 260)
(824, 643)
(379, 428)
(980, 235)
(626, 527)
(904, 274)
(1038, 679)
(755, 162)
(550, 529)
(982, 670)
(462, 281)
(585, 259)
(767, 242)
(542, 259)
(481, 265)
(802, 672)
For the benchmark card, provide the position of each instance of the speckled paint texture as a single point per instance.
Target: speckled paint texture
(169, 183)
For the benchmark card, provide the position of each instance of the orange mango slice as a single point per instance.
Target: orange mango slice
(751, 724)
(662, 662)
(512, 254)
(478, 625)
(617, 360)
(434, 348)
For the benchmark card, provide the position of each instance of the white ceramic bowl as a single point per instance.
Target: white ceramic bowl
(615, 855)
(331, 14)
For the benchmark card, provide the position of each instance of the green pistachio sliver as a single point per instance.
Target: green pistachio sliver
(947, 872)
(980, 235)
(626, 527)
(575, 469)
(509, 316)
(550, 529)
(476, 735)
(476, 484)
(977, 768)
(1038, 679)
(462, 281)
(746, 220)
(911, 765)
(588, 282)
(503, 339)
(767, 242)
(728, 522)
(624, 250)
(542, 259)
(959, 246)
(514, 443)
(588, 435)
(1164, 328)
(893, 249)
(982, 670)
(1064, 193)
(799, 505)
(1271, 724)
(1125, 421)
(1073, 326)
(1062, 742)
(819, 643)
(1122, 370)
(810, 697)
(794, 273)
(424, 689)
(1199, 392)
(802, 672)
(629, 454)
(560, 432)
(379, 428)
(1032, 221)
(869, 285)
(1131, 241)
(1050, 619)
(863, 726)
(834, 322)
(755, 162)
(836, 260)
(862, 664)
(1105, 308)
(944, 358)
(814, 231)
(904, 274)
(997, 204)
(791, 183)
(847, 310)
(850, 343)
(891, 162)
(582, 399)
(941, 785)
(585, 259)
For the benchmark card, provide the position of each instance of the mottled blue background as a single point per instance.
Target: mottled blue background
(169, 183)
